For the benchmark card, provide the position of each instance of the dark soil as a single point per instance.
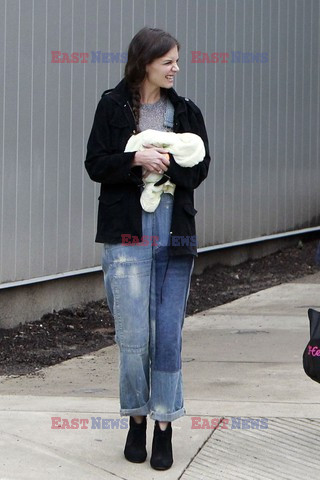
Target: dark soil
(68, 333)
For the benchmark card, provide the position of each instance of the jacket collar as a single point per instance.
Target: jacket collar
(121, 93)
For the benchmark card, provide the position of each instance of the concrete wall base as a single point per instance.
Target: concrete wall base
(240, 254)
(30, 302)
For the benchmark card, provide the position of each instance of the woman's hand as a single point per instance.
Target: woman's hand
(153, 159)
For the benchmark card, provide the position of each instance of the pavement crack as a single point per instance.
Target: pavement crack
(200, 448)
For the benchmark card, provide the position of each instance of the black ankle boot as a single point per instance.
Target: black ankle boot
(161, 456)
(135, 448)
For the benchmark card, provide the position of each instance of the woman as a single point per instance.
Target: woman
(147, 257)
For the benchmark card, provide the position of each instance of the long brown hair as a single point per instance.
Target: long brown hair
(147, 45)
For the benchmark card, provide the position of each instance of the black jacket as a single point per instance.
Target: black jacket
(119, 202)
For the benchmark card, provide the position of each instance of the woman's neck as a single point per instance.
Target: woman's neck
(149, 94)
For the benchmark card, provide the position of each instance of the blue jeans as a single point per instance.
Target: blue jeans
(147, 293)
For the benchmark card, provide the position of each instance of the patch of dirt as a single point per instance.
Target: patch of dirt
(68, 333)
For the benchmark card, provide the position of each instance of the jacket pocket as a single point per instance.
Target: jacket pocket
(111, 198)
(111, 215)
(189, 208)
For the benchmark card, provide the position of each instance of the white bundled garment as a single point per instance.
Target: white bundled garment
(187, 148)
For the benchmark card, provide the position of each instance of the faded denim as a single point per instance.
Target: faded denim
(147, 293)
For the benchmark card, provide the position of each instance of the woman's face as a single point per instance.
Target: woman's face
(161, 72)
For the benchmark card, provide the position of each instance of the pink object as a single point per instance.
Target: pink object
(314, 351)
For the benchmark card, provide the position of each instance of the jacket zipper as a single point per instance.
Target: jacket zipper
(135, 125)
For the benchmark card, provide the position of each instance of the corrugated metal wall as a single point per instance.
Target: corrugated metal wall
(262, 119)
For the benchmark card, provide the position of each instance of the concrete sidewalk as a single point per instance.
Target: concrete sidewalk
(243, 359)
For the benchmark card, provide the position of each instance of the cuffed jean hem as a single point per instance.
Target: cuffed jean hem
(133, 412)
(144, 411)
(167, 417)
